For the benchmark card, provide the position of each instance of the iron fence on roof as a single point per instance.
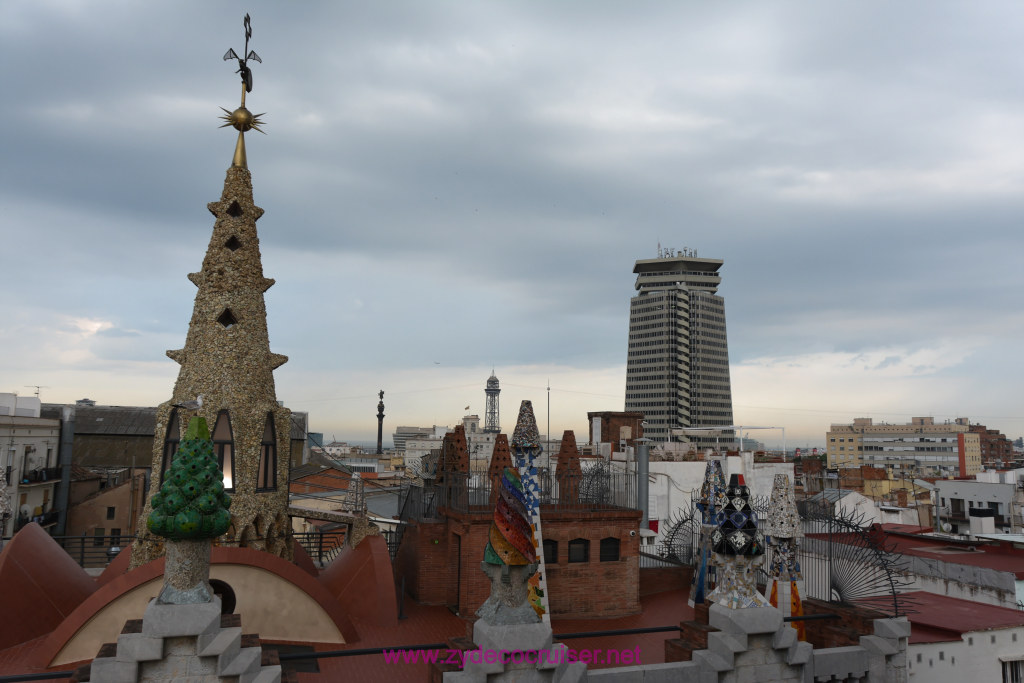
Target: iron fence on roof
(96, 552)
(595, 489)
(843, 557)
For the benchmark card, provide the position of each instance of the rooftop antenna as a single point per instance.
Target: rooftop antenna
(37, 387)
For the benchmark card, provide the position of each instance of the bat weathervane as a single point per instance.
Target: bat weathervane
(243, 64)
(242, 119)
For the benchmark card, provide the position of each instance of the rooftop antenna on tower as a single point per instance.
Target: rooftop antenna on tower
(37, 387)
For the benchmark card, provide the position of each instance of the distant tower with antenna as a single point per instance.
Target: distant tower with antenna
(491, 422)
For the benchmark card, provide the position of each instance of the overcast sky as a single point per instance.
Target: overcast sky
(455, 186)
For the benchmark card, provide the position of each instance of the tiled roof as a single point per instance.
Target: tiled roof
(939, 618)
(832, 495)
(120, 420)
(79, 473)
(1000, 557)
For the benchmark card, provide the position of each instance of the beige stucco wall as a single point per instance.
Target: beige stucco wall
(105, 626)
(269, 606)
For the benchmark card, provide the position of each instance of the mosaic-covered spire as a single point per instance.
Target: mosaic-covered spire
(712, 492)
(512, 557)
(510, 540)
(785, 581)
(526, 449)
(737, 533)
(783, 519)
(526, 434)
(738, 547)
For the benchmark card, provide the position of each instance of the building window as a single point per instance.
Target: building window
(609, 549)
(111, 511)
(1013, 672)
(579, 550)
(115, 536)
(171, 440)
(97, 536)
(550, 551)
(267, 475)
(224, 447)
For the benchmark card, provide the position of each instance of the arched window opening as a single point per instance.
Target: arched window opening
(609, 549)
(226, 594)
(224, 447)
(171, 440)
(579, 550)
(267, 474)
(550, 551)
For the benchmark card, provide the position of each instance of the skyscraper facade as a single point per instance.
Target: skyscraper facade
(677, 368)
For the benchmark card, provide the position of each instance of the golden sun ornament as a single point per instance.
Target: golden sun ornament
(242, 120)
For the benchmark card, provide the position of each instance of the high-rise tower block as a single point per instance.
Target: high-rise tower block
(677, 368)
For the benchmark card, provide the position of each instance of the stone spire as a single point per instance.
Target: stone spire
(226, 377)
(453, 465)
(568, 472)
(501, 457)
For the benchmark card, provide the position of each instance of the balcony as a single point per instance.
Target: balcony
(42, 475)
(47, 519)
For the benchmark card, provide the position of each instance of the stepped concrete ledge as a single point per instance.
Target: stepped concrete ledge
(751, 620)
(168, 621)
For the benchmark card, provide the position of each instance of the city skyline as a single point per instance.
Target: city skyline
(451, 189)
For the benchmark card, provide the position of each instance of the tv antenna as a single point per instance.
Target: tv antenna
(37, 387)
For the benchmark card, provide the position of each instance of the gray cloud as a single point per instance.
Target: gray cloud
(473, 182)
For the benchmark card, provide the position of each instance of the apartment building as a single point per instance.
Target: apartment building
(920, 447)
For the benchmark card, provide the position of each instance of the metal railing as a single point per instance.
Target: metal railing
(648, 561)
(599, 489)
(41, 474)
(419, 503)
(43, 520)
(96, 552)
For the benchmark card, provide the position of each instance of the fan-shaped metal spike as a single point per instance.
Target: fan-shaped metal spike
(230, 54)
